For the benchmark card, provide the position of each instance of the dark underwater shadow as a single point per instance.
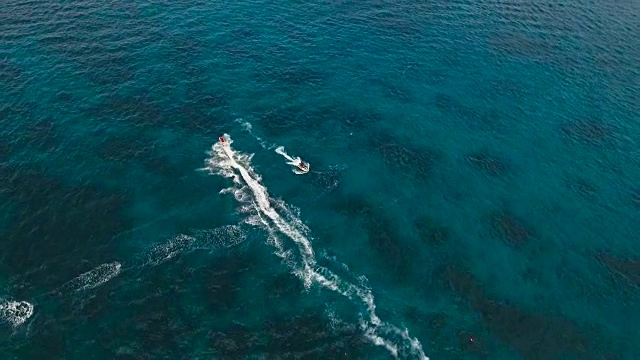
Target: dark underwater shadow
(532, 334)
(12, 79)
(409, 160)
(627, 268)
(511, 229)
(593, 132)
(488, 163)
(431, 232)
(393, 250)
(55, 224)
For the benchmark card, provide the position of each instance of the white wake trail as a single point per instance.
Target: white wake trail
(294, 161)
(246, 126)
(225, 161)
(291, 160)
(15, 312)
(95, 277)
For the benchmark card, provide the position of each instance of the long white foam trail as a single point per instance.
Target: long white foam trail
(95, 277)
(15, 312)
(281, 223)
(221, 237)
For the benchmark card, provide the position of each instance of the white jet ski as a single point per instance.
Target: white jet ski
(301, 167)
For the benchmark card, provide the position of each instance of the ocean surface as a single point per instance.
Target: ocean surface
(473, 193)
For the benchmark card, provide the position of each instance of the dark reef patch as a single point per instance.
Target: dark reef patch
(284, 287)
(394, 251)
(352, 205)
(48, 342)
(65, 97)
(70, 222)
(5, 151)
(135, 149)
(628, 268)
(581, 187)
(223, 280)
(308, 335)
(446, 103)
(195, 119)
(486, 163)
(430, 232)
(235, 342)
(471, 344)
(41, 135)
(635, 197)
(534, 336)
(12, 78)
(137, 110)
(391, 90)
(155, 327)
(510, 229)
(435, 77)
(592, 132)
(412, 162)
(145, 113)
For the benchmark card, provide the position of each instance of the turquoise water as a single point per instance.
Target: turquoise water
(473, 192)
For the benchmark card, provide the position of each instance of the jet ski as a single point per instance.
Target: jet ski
(304, 167)
(225, 141)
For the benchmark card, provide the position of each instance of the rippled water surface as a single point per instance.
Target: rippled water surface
(473, 192)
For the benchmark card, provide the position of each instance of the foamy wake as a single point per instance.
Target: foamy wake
(291, 160)
(283, 225)
(15, 312)
(224, 236)
(95, 277)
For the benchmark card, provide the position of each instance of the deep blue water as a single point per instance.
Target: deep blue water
(475, 176)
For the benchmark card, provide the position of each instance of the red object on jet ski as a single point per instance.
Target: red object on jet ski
(221, 139)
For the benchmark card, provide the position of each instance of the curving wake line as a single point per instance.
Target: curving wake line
(295, 162)
(283, 225)
(246, 126)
